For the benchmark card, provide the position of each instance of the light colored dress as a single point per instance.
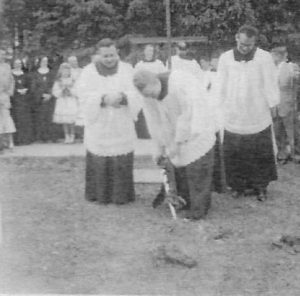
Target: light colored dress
(66, 106)
(6, 90)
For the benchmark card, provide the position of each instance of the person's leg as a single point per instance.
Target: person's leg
(297, 138)
(182, 185)
(72, 132)
(10, 141)
(219, 179)
(281, 140)
(122, 189)
(263, 165)
(97, 179)
(2, 145)
(234, 163)
(66, 132)
(199, 178)
(288, 124)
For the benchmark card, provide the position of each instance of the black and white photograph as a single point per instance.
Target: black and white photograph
(150, 147)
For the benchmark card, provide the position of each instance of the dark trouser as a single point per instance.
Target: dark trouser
(109, 179)
(249, 160)
(284, 131)
(194, 183)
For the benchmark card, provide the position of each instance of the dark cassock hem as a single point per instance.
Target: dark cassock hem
(219, 179)
(194, 184)
(249, 160)
(109, 179)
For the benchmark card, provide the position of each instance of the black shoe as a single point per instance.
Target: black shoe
(262, 195)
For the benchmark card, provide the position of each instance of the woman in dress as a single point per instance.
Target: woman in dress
(42, 82)
(21, 102)
(66, 106)
(150, 62)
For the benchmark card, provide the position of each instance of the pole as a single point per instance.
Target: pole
(168, 27)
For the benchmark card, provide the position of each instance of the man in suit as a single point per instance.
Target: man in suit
(284, 113)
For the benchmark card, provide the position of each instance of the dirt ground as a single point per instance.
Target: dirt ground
(56, 242)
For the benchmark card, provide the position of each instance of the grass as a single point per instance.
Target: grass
(56, 242)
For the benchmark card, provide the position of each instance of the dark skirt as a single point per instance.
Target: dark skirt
(21, 114)
(249, 160)
(45, 129)
(109, 179)
(194, 184)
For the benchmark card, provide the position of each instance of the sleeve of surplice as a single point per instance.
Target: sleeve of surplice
(270, 81)
(89, 95)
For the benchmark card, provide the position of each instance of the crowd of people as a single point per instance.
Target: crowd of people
(223, 124)
(36, 104)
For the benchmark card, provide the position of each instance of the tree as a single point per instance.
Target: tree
(58, 24)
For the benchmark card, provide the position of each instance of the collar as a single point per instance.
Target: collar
(105, 71)
(244, 57)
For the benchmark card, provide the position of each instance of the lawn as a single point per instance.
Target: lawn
(56, 242)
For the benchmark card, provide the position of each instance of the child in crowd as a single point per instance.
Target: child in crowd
(66, 107)
(7, 127)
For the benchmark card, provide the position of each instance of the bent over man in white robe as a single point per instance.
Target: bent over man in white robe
(181, 123)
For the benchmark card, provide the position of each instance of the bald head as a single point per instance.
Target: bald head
(147, 84)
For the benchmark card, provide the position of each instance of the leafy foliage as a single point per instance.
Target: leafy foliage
(60, 24)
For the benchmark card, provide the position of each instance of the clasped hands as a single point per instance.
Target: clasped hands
(114, 99)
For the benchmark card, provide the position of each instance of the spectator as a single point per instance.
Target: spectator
(21, 105)
(284, 115)
(66, 104)
(183, 62)
(150, 61)
(43, 106)
(7, 127)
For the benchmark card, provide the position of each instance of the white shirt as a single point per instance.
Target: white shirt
(247, 91)
(183, 117)
(190, 66)
(156, 66)
(109, 131)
